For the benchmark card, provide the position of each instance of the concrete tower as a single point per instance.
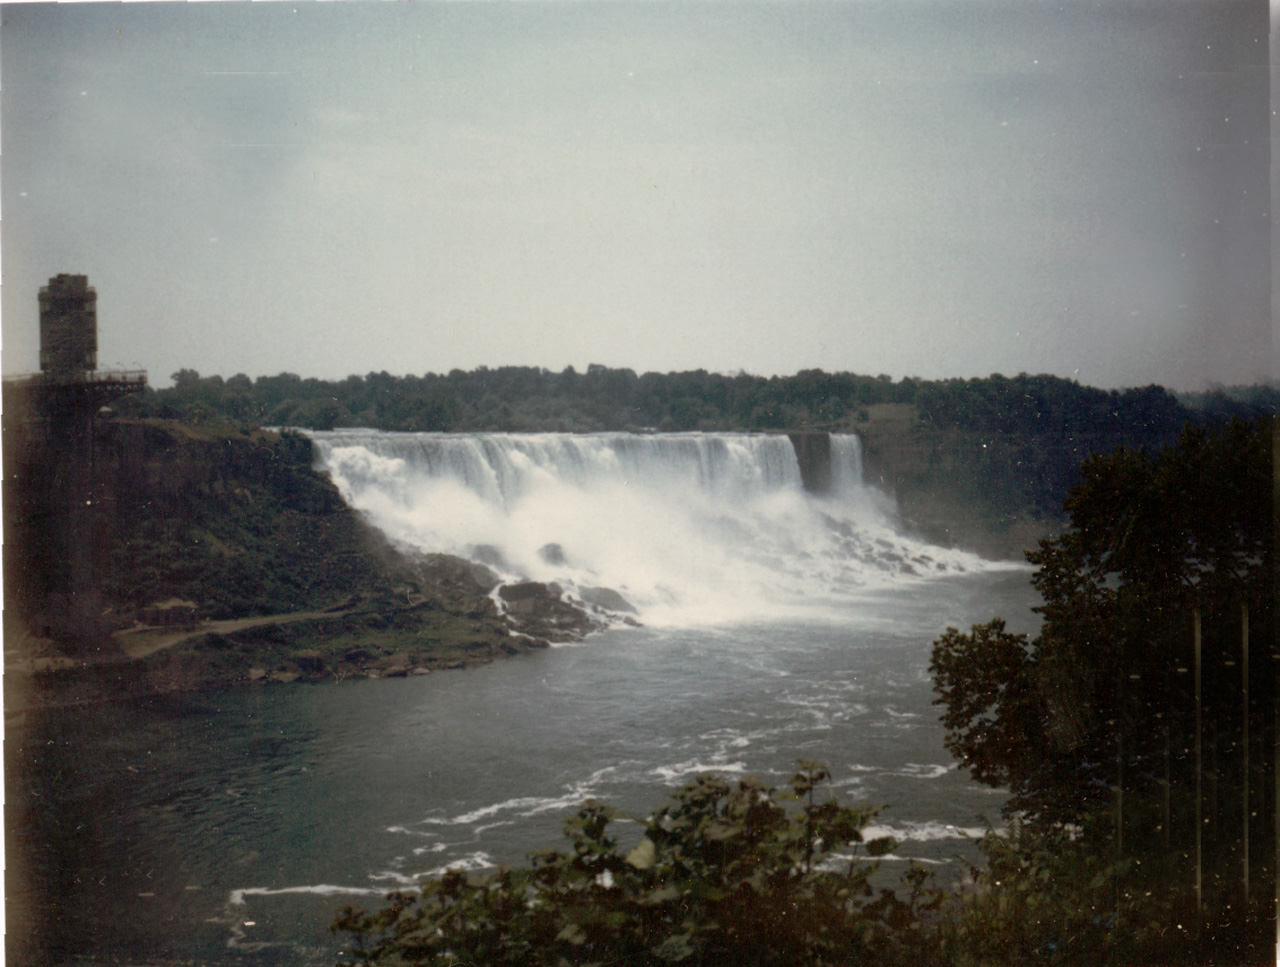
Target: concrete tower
(68, 327)
(50, 472)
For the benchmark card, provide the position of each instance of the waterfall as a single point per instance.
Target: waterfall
(689, 528)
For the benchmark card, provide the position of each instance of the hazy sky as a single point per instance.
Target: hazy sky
(912, 187)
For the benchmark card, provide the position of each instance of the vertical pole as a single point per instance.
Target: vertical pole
(1244, 742)
(1199, 769)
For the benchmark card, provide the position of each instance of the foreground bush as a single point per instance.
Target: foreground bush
(725, 874)
(746, 875)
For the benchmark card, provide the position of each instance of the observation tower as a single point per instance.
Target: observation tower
(69, 380)
(53, 493)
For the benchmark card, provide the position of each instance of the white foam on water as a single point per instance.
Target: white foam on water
(470, 863)
(401, 878)
(521, 805)
(674, 774)
(467, 864)
(691, 529)
(237, 897)
(923, 832)
(894, 713)
(918, 770)
(575, 794)
(405, 831)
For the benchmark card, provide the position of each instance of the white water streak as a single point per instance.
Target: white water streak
(690, 528)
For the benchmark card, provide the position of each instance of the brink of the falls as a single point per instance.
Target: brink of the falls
(679, 529)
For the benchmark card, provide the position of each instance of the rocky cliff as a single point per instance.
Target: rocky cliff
(993, 493)
(221, 555)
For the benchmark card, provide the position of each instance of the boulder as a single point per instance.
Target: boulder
(523, 592)
(539, 610)
(607, 599)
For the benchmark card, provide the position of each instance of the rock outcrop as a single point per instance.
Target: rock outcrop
(813, 454)
(222, 556)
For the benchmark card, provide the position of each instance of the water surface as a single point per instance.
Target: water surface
(227, 827)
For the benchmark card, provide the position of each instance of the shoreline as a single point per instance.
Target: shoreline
(395, 635)
(76, 684)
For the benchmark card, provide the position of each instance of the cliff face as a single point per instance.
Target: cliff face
(233, 521)
(993, 496)
(813, 454)
(211, 556)
(949, 491)
(992, 493)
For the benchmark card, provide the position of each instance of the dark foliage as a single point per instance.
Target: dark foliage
(1153, 540)
(518, 398)
(724, 875)
(1136, 723)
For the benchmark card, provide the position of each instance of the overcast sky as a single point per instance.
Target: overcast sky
(911, 187)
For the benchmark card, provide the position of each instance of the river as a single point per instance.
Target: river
(227, 827)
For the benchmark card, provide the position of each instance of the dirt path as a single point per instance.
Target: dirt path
(141, 642)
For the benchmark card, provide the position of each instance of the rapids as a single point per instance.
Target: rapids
(690, 528)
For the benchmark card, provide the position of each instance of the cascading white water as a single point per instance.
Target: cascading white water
(689, 528)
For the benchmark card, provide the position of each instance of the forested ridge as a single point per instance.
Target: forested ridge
(526, 399)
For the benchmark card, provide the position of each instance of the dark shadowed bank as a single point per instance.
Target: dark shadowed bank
(218, 556)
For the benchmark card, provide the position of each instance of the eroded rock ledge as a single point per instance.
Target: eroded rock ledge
(440, 613)
(223, 558)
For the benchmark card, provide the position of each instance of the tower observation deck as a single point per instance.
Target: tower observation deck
(69, 381)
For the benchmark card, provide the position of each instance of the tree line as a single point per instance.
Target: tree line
(524, 399)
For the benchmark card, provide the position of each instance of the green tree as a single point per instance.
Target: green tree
(724, 874)
(1097, 726)
(1153, 539)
